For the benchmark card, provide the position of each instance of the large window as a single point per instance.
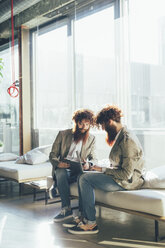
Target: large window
(103, 52)
(74, 65)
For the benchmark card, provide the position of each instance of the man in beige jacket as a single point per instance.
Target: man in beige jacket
(124, 172)
(71, 146)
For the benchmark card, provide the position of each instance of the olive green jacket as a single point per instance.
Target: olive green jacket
(62, 145)
(127, 153)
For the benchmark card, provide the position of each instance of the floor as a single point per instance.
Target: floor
(28, 224)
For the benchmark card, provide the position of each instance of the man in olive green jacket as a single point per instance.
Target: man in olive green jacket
(62, 145)
(125, 171)
(71, 146)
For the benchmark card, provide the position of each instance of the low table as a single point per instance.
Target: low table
(41, 185)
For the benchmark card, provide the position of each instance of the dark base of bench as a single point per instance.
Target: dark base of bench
(157, 238)
(149, 216)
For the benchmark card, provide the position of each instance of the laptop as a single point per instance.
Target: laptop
(76, 167)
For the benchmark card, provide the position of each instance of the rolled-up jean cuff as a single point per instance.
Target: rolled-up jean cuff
(67, 208)
(90, 222)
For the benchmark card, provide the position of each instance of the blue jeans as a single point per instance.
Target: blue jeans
(86, 185)
(64, 178)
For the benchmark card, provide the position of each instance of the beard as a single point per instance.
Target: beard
(111, 134)
(79, 135)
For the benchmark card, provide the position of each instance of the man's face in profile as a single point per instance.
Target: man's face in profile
(111, 131)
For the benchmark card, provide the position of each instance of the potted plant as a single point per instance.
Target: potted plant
(1, 67)
(1, 146)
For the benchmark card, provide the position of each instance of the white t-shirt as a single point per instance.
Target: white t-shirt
(74, 149)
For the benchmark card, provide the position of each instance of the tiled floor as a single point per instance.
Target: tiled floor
(28, 224)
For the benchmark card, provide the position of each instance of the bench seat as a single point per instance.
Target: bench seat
(25, 172)
(150, 201)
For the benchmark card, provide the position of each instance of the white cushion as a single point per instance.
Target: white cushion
(45, 149)
(35, 156)
(155, 178)
(8, 157)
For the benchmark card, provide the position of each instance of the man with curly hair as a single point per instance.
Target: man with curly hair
(71, 146)
(124, 172)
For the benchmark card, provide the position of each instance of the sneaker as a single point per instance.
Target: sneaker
(63, 215)
(73, 223)
(52, 192)
(84, 229)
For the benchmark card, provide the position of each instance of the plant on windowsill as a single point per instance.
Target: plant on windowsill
(1, 146)
(1, 68)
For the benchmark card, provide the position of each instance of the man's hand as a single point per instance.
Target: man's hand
(96, 168)
(63, 165)
(86, 166)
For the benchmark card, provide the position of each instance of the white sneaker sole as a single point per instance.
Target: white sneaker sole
(68, 225)
(65, 218)
(83, 232)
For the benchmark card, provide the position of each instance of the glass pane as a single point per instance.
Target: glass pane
(147, 55)
(53, 92)
(95, 63)
(52, 83)
(9, 107)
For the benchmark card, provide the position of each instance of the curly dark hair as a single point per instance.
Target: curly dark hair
(81, 114)
(108, 112)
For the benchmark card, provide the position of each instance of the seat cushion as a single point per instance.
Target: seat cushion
(151, 201)
(155, 178)
(25, 172)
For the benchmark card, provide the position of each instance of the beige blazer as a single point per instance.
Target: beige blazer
(127, 153)
(62, 145)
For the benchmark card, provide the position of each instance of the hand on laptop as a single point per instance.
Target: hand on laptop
(63, 165)
(86, 166)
